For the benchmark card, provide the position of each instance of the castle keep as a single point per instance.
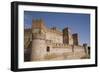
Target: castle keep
(43, 43)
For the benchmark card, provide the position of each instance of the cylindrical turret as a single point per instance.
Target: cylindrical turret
(38, 41)
(38, 47)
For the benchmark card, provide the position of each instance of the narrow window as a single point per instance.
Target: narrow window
(48, 49)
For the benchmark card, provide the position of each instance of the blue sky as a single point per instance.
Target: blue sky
(78, 23)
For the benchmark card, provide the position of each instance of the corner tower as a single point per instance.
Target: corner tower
(38, 40)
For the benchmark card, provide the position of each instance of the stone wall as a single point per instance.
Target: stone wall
(54, 37)
(65, 53)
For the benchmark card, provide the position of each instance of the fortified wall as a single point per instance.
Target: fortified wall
(43, 43)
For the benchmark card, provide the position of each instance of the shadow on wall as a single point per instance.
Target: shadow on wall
(27, 53)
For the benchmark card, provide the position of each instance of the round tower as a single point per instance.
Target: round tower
(38, 41)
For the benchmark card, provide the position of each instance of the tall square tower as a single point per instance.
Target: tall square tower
(67, 36)
(75, 39)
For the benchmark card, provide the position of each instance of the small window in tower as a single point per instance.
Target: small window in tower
(48, 49)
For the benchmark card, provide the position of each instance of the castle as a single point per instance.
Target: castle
(43, 43)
